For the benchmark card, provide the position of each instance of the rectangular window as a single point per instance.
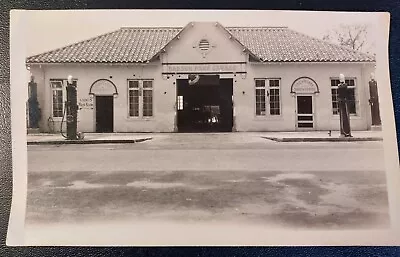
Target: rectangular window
(134, 98)
(140, 98)
(57, 98)
(260, 97)
(262, 93)
(180, 102)
(352, 103)
(147, 98)
(274, 97)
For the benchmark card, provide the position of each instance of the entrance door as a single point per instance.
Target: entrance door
(104, 114)
(206, 106)
(305, 118)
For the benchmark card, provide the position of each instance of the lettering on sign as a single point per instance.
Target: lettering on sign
(86, 103)
(304, 85)
(203, 68)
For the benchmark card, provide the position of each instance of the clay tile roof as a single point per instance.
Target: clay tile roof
(138, 45)
(285, 45)
(126, 45)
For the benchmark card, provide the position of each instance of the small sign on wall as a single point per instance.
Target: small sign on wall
(204, 68)
(304, 85)
(86, 103)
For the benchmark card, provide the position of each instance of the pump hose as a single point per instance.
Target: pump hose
(62, 121)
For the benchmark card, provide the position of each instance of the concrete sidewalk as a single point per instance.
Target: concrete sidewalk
(117, 138)
(89, 138)
(322, 136)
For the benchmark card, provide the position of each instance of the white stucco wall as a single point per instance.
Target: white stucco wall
(163, 95)
(246, 120)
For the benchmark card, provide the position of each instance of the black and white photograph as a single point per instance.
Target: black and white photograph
(189, 127)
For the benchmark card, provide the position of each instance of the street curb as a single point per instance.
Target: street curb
(320, 139)
(85, 142)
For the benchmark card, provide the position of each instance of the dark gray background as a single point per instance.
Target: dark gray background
(392, 6)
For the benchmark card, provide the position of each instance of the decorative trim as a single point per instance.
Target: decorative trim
(199, 63)
(203, 73)
(308, 78)
(109, 81)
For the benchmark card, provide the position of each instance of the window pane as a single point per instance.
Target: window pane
(274, 98)
(134, 103)
(334, 82)
(350, 82)
(274, 83)
(260, 83)
(133, 84)
(352, 101)
(147, 84)
(260, 101)
(57, 103)
(305, 125)
(56, 84)
(334, 101)
(147, 103)
(180, 102)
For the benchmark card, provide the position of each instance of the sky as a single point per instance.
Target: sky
(48, 30)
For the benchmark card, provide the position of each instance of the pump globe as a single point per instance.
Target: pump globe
(372, 76)
(341, 78)
(69, 79)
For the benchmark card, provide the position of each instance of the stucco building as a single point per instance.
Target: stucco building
(203, 77)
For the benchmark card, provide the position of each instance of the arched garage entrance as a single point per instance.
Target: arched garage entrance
(104, 91)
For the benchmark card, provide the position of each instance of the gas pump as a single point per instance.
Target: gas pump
(71, 110)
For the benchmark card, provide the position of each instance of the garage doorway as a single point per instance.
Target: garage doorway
(206, 106)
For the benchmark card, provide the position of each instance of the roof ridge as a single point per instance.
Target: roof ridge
(73, 44)
(257, 27)
(333, 44)
(152, 27)
(181, 27)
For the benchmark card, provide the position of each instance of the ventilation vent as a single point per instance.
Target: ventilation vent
(204, 45)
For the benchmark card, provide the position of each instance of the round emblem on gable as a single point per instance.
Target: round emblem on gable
(203, 46)
(304, 85)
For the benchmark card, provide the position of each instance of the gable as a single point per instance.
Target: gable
(206, 42)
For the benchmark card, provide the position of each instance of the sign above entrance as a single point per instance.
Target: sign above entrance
(304, 85)
(201, 68)
(103, 87)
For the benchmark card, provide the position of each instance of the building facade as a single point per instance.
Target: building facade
(203, 77)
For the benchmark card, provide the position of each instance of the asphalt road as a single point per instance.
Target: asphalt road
(235, 178)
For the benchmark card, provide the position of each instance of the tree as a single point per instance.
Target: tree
(352, 36)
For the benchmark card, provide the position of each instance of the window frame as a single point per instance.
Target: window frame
(63, 90)
(356, 100)
(179, 103)
(141, 97)
(64, 95)
(267, 101)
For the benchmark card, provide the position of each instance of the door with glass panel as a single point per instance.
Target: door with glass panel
(305, 114)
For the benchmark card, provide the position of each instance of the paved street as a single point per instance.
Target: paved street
(236, 178)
